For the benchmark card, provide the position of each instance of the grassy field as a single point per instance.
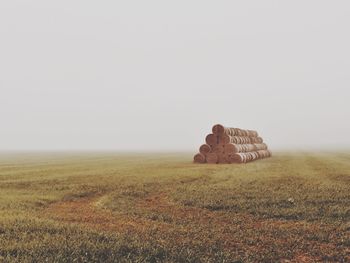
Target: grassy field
(105, 207)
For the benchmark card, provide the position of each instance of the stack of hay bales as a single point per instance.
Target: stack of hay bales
(231, 145)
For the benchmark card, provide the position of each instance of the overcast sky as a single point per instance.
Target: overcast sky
(156, 75)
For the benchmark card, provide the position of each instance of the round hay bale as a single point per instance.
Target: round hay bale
(222, 158)
(256, 155)
(257, 139)
(204, 149)
(219, 148)
(237, 158)
(240, 132)
(199, 158)
(224, 139)
(218, 129)
(212, 158)
(211, 139)
(264, 153)
(252, 133)
(260, 146)
(230, 148)
(230, 131)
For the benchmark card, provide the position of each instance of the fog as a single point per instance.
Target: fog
(156, 75)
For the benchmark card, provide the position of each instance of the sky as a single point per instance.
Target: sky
(156, 75)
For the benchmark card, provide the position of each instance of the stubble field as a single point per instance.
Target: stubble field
(108, 207)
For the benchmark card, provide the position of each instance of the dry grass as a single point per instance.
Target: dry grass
(162, 208)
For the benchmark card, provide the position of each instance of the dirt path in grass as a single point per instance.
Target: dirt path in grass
(85, 211)
(185, 224)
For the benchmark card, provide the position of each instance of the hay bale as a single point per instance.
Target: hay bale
(205, 149)
(257, 140)
(211, 139)
(264, 153)
(252, 133)
(219, 129)
(212, 158)
(232, 145)
(199, 158)
(222, 158)
(238, 158)
(245, 157)
(260, 146)
(219, 148)
(234, 139)
(231, 148)
(236, 148)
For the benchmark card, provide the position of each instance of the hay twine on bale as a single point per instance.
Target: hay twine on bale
(232, 145)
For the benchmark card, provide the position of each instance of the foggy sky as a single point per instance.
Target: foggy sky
(156, 75)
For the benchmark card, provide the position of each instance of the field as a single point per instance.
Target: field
(106, 207)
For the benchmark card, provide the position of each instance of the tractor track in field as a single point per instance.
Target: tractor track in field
(184, 223)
